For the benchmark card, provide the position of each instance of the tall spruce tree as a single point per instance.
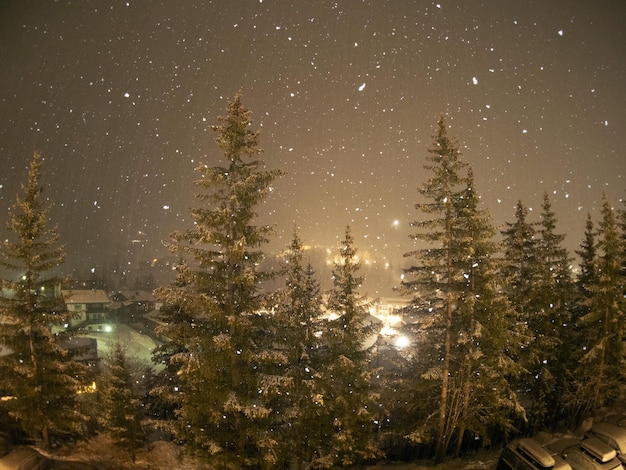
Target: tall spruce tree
(601, 370)
(298, 310)
(521, 262)
(224, 379)
(434, 278)
(122, 405)
(576, 401)
(42, 391)
(348, 400)
(485, 332)
(453, 282)
(588, 269)
(555, 296)
(522, 276)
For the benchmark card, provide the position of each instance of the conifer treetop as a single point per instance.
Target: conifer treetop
(34, 248)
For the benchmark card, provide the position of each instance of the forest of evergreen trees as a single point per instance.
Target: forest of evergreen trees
(508, 340)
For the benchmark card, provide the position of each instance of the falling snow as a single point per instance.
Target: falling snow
(120, 100)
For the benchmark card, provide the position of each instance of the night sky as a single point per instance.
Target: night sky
(118, 96)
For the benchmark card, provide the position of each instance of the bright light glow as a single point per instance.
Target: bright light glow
(333, 316)
(402, 342)
(388, 331)
(108, 328)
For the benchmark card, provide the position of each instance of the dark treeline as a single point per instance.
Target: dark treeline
(507, 338)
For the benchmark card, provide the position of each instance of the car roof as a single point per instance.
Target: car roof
(613, 432)
(561, 445)
(534, 449)
(598, 449)
(619, 419)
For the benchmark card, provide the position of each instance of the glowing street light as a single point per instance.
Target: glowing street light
(402, 341)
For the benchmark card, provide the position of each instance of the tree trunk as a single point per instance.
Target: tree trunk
(45, 435)
(467, 372)
(442, 437)
(464, 406)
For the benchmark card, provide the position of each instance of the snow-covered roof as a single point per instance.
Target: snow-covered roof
(138, 295)
(85, 296)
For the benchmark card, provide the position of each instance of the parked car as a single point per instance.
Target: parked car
(586, 454)
(5, 444)
(528, 454)
(25, 458)
(612, 435)
(619, 419)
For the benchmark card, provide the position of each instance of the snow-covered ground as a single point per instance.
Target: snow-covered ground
(100, 453)
(138, 346)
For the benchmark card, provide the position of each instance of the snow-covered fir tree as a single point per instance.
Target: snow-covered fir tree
(434, 279)
(123, 412)
(298, 309)
(539, 284)
(521, 275)
(225, 377)
(556, 296)
(466, 329)
(41, 394)
(600, 375)
(348, 400)
(485, 330)
(521, 263)
(581, 338)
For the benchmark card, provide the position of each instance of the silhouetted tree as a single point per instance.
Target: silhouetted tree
(588, 267)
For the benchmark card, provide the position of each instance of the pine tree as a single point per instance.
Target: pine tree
(348, 398)
(122, 405)
(485, 330)
(522, 275)
(555, 295)
(467, 332)
(43, 387)
(588, 272)
(521, 263)
(214, 306)
(434, 279)
(298, 310)
(581, 338)
(601, 370)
